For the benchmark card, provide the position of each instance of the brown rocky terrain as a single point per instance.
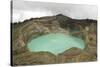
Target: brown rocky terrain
(23, 32)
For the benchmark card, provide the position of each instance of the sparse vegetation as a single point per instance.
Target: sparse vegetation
(23, 32)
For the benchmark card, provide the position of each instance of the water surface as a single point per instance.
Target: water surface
(55, 43)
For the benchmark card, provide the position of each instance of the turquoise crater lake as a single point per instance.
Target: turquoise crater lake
(55, 43)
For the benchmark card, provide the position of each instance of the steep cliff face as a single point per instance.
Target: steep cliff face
(23, 32)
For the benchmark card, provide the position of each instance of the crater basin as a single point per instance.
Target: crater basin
(55, 43)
